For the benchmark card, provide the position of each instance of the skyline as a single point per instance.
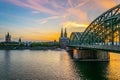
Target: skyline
(41, 20)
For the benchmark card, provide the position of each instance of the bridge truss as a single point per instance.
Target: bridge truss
(104, 30)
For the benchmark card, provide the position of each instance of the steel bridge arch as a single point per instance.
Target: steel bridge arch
(75, 37)
(104, 29)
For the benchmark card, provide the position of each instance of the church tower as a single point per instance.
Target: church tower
(19, 40)
(65, 33)
(8, 37)
(63, 40)
(61, 32)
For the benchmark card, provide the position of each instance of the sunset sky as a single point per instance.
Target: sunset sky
(41, 20)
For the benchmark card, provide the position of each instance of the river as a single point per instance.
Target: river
(54, 65)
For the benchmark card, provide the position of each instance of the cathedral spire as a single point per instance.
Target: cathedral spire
(8, 34)
(19, 40)
(65, 33)
(61, 32)
(8, 37)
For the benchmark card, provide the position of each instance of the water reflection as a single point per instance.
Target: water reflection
(54, 65)
(83, 70)
(7, 57)
(92, 70)
(67, 68)
(6, 64)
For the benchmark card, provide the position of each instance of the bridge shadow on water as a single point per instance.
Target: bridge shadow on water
(91, 70)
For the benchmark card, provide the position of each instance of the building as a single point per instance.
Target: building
(8, 37)
(63, 40)
(19, 40)
(8, 40)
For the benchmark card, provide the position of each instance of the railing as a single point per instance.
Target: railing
(99, 47)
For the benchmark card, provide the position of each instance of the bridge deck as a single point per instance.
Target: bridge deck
(111, 48)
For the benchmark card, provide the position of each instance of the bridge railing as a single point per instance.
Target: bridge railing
(102, 47)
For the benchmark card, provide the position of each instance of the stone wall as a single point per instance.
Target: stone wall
(91, 55)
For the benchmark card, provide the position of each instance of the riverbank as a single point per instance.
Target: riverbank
(29, 48)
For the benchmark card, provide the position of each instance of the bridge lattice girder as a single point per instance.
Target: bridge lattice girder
(75, 37)
(105, 29)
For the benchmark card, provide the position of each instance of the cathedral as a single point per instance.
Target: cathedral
(63, 40)
(8, 38)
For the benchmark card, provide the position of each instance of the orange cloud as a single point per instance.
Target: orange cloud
(77, 13)
(106, 3)
(71, 24)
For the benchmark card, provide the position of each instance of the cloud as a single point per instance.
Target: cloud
(82, 3)
(70, 3)
(79, 14)
(73, 8)
(72, 14)
(35, 12)
(51, 7)
(56, 8)
(45, 20)
(106, 3)
(71, 24)
(35, 5)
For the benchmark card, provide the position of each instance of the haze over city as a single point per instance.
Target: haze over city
(42, 20)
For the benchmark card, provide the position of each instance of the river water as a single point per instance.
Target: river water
(54, 65)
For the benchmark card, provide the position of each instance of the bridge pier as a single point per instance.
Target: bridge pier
(90, 55)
